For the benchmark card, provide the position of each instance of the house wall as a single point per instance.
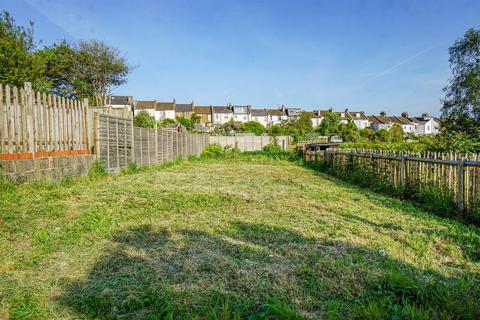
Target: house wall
(221, 118)
(263, 120)
(241, 117)
(361, 124)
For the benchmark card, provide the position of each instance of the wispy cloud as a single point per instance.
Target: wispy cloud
(400, 63)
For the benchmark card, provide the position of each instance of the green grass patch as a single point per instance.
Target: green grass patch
(240, 237)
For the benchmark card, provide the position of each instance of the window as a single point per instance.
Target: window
(217, 116)
(244, 117)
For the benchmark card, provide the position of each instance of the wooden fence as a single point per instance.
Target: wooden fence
(118, 142)
(458, 175)
(37, 125)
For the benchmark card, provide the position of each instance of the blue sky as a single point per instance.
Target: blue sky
(364, 55)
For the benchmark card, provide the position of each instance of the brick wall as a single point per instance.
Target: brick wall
(50, 168)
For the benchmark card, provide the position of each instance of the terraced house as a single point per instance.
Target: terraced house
(260, 115)
(241, 113)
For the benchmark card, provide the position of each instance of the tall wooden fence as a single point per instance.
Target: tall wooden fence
(37, 125)
(118, 142)
(456, 174)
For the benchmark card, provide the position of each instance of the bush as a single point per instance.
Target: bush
(215, 151)
(97, 170)
(144, 120)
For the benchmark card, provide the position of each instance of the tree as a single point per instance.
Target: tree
(61, 64)
(367, 134)
(187, 123)
(144, 120)
(461, 105)
(19, 61)
(100, 68)
(349, 132)
(329, 125)
(396, 133)
(304, 123)
(195, 118)
(277, 130)
(253, 127)
(383, 135)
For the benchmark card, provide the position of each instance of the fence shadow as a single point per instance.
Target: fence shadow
(155, 273)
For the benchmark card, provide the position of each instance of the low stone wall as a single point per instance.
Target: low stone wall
(49, 169)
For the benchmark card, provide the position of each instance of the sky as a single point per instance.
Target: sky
(367, 56)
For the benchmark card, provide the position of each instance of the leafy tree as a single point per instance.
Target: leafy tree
(254, 127)
(304, 123)
(330, 124)
(367, 134)
(101, 68)
(144, 120)
(187, 123)
(277, 130)
(61, 64)
(383, 135)
(232, 126)
(165, 122)
(195, 118)
(19, 61)
(461, 106)
(349, 132)
(396, 133)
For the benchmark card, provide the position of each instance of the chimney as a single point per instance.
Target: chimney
(330, 110)
(383, 114)
(405, 114)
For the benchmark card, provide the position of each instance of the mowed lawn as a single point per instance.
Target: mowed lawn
(243, 238)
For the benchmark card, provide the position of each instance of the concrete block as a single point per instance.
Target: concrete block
(8, 166)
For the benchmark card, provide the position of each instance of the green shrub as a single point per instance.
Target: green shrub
(214, 151)
(97, 170)
(144, 120)
(131, 168)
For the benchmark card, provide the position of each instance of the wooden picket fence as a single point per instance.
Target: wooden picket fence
(33, 124)
(456, 174)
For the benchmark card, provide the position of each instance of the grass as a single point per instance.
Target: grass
(240, 238)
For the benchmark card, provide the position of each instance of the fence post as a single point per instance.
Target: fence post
(132, 152)
(461, 172)
(402, 173)
(155, 127)
(29, 109)
(95, 135)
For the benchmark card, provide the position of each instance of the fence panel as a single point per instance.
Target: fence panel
(119, 143)
(36, 125)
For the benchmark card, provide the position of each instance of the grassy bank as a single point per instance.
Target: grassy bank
(245, 237)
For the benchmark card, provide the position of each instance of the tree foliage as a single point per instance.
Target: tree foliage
(329, 125)
(87, 69)
(19, 60)
(253, 127)
(461, 106)
(396, 133)
(304, 123)
(144, 120)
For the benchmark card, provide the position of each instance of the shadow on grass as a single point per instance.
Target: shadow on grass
(252, 271)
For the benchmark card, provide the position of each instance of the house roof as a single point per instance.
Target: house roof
(275, 112)
(145, 105)
(120, 100)
(322, 113)
(259, 112)
(379, 119)
(236, 108)
(221, 109)
(361, 115)
(183, 107)
(164, 106)
(339, 113)
(202, 109)
(400, 120)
